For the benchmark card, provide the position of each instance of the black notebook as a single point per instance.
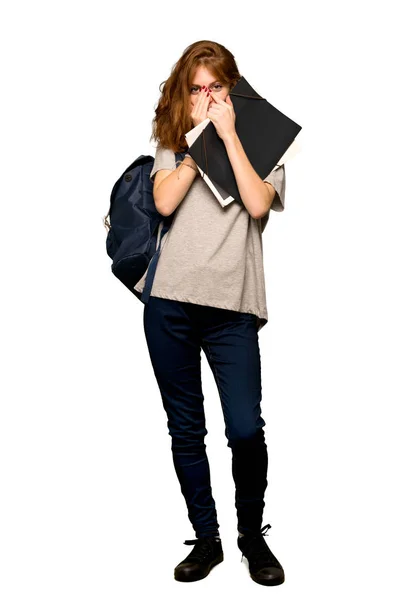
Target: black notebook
(264, 132)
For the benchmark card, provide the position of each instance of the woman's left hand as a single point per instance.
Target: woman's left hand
(222, 114)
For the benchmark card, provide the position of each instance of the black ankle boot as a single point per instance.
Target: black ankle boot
(207, 553)
(264, 567)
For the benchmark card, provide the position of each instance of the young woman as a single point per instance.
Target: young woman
(209, 293)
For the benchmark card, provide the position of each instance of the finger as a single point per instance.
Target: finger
(206, 99)
(199, 106)
(199, 96)
(205, 103)
(202, 94)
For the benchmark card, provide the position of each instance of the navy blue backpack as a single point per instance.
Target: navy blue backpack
(133, 226)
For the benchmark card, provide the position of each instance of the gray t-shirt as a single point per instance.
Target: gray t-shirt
(213, 255)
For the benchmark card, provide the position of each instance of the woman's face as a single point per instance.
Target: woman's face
(204, 77)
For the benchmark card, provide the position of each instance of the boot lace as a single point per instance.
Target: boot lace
(256, 550)
(202, 548)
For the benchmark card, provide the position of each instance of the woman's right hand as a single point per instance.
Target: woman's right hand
(199, 112)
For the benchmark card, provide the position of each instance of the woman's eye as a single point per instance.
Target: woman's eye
(195, 90)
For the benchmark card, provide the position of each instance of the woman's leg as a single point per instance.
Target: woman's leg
(175, 355)
(230, 342)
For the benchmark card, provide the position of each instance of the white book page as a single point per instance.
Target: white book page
(290, 153)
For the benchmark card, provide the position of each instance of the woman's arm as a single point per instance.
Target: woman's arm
(170, 187)
(257, 195)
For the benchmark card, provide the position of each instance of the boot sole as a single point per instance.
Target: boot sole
(268, 581)
(181, 577)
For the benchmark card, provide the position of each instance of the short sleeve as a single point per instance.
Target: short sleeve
(277, 178)
(164, 159)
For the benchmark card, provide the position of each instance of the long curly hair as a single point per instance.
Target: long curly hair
(172, 119)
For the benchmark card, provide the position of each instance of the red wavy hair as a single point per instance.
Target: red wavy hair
(172, 119)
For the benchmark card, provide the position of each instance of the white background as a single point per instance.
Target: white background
(90, 503)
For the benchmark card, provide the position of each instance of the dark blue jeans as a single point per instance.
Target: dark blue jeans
(175, 333)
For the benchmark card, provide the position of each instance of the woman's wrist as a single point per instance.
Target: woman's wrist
(188, 162)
